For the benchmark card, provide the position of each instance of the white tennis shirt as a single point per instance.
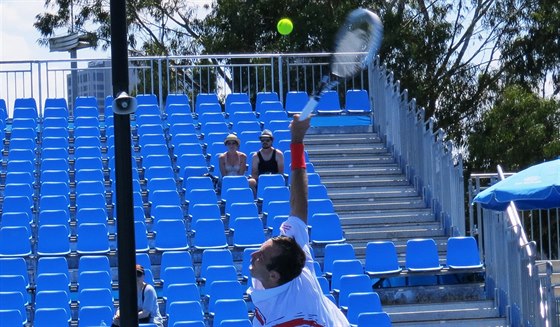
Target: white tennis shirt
(299, 302)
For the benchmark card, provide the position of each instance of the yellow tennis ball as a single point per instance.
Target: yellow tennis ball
(285, 26)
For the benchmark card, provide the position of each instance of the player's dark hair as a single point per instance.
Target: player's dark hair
(290, 261)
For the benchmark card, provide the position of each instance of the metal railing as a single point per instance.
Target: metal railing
(520, 284)
(427, 159)
(191, 75)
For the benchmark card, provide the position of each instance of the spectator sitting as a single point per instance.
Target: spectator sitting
(267, 160)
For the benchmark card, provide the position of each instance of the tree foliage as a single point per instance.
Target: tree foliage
(520, 130)
(455, 57)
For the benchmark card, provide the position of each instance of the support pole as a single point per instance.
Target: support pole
(123, 170)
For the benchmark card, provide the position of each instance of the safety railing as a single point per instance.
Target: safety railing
(520, 284)
(424, 154)
(191, 75)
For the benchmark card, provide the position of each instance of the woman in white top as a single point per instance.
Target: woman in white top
(233, 162)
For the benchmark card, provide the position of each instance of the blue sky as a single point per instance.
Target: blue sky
(18, 37)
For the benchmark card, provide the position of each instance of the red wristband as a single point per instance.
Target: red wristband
(298, 156)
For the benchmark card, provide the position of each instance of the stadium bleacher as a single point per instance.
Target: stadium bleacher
(59, 199)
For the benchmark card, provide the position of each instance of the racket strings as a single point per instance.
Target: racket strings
(350, 52)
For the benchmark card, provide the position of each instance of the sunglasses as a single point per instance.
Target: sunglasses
(266, 140)
(231, 143)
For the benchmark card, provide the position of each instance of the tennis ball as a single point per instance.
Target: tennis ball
(285, 26)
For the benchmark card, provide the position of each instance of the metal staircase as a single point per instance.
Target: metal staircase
(376, 202)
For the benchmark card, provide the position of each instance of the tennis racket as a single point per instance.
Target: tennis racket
(356, 44)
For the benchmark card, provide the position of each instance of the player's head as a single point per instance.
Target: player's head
(266, 138)
(278, 261)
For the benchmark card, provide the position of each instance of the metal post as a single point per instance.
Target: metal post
(123, 171)
(74, 77)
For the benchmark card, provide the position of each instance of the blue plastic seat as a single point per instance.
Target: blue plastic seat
(177, 275)
(55, 188)
(53, 265)
(206, 98)
(182, 128)
(267, 180)
(238, 210)
(52, 282)
(215, 257)
(217, 273)
(171, 234)
(18, 189)
(184, 311)
(45, 317)
(177, 139)
(349, 284)
(94, 279)
(14, 241)
(249, 232)
(175, 259)
(93, 263)
(317, 192)
(340, 251)
(90, 316)
(242, 126)
(173, 211)
(88, 163)
(53, 240)
(140, 237)
(95, 297)
(357, 101)
(11, 317)
(150, 129)
(329, 103)
(177, 116)
(181, 292)
(326, 228)
(265, 96)
(211, 117)
(93, 238)
(344, 267)
(462, 253)
(191, 160)
(209, 234)
(237, 195)
(158, 197)
(238, 106)
(227, 309)
(197, 182)
(378, 319)
(295, 101)
(148, 115)
(276, 208)
(274, 193)
(17, 219)
(201, 196)
(53, 300)
(422, 255)
(359, 303)
(13, 296)
(223, 289)
(316, 206)
(204, 211)
(192, 148)
(381, 259)
(14, 266)
(236, 97)
(214, 127)
(240, 116)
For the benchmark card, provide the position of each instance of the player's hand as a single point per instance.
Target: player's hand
(299, 128)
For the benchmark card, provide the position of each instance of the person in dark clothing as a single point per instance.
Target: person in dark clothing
(267, 160)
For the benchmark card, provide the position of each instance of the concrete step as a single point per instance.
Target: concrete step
(369, 181)
(354, 150)
(349, 219)
(358, 172)
(468, 322)
(376, 193)
(343, 162)
(443, 311)
(404, 231)
(313, 140)
(354, 205)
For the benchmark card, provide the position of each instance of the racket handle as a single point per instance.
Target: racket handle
(308, 109)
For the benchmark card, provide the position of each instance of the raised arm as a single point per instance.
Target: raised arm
(298, 186)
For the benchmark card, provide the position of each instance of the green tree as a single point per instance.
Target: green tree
(520, 130)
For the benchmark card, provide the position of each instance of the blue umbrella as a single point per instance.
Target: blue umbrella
(537, 187)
